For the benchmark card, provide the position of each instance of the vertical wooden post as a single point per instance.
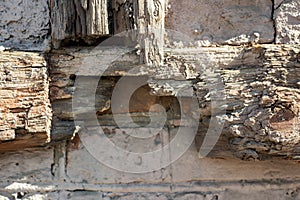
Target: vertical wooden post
(150, 25)
(123, 15)
(78, 18)
(147, 17)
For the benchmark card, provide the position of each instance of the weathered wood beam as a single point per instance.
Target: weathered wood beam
(25, 113)
(261, 84)
(124, 18)
(146, 22)
(150, 16)
(78, 19)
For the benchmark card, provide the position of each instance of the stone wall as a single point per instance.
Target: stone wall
(254, 46)
(226, 22)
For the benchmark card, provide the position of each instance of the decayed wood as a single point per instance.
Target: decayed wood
(64, 66)
(145, 19)
(74, 19)
(261, 84)
(262, 93)
(25, 113)
(124, 18)
(150, 17)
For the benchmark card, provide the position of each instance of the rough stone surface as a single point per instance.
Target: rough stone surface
(231, 194)
(226, 22)
(277, 3)
(261, 194)
(26, 166)
(30, 175)
(25, 25)
(262, 121)
(189, 177)
(81, 195)
(64, 65)
(287, 20)
(224, 168)
(25, 114)
(98, 173)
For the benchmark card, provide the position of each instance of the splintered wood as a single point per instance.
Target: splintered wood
(25, 113)
(261, 86)
(150, 25)
(78, 19)
(260, 81)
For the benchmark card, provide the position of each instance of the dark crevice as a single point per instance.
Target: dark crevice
(274, 22)
(279, 5)
(83, 41)
(110, 17)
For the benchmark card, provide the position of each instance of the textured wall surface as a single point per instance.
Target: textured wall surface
(25, 25)
(41, 175)
(223, 22)
(287, 20)
(256, 157)
(25, 106)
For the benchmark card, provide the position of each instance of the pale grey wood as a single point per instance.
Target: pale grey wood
(73, 19)
(124, 18)
(150, 17)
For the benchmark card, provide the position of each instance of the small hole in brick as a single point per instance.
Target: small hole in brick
(17, 164)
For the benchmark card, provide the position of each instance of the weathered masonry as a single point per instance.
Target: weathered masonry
(239, 59)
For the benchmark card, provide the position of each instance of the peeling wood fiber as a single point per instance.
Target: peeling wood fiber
(25, 116)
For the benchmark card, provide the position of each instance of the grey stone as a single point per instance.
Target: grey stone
(195, 196)
(26, 165)
(83, 167)
(36, 197)
(81, 195)
(143, 196)
(278, 3)
(287, 18)
(4, 197)
(224, 22)
(260, 194)
(25, 25)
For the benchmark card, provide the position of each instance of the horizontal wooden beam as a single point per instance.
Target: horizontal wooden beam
(261, 90)
(25, 113)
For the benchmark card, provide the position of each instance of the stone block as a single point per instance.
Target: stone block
(224, 22)
(84, 168)
(287, 19)
(28, 166)
(25, 25)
